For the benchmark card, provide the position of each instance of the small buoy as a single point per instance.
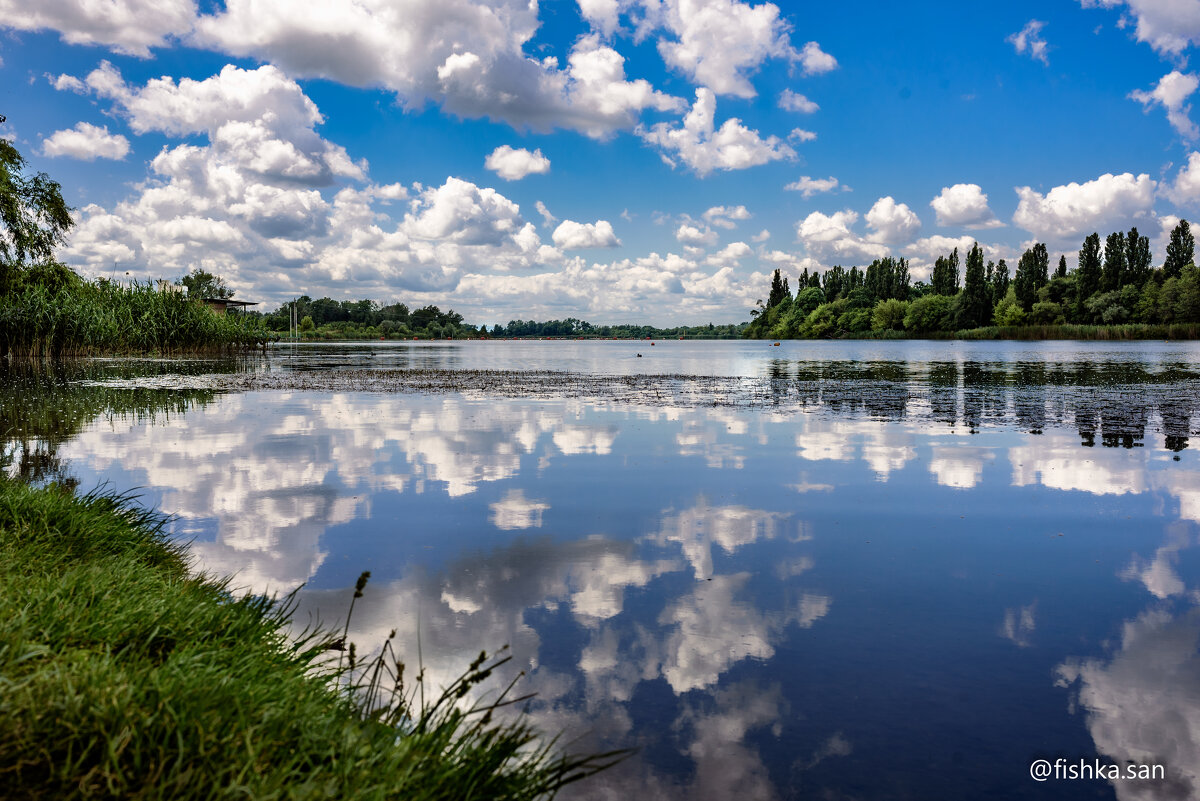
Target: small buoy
(639, 355)
(652, 344)
(776, 345)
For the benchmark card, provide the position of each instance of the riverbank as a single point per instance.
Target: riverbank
(125, 676)
(1128, 332)
(56, 313)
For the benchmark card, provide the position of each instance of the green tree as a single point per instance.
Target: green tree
(1033, 271)
(1061, 272)
(999, 282)
(945, 274)
(34, 218)
(779, 290)
(1087, 274)
(1046, 312)
(203, 284)
(1113, 275)
(1181, 250)
(307, 324)
(888, 315)
(974, 305)
(1137, 257)
(929, 314)
(821, 323)
(1008, 310)
(887, 278)
(806, 300)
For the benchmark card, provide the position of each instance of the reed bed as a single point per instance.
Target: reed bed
(1127, 332)
(123, 676)
(85, 318)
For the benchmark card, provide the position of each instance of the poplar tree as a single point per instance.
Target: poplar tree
(974, 305)
(999, 282)
(1032, 274)
(1181, 250)
(945, 274)
(1061, 272)
(779, 291)
(1137, 257)
(1087, 275)
(1114, 276)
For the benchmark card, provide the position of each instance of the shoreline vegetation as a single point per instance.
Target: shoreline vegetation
(52, 312)
(1113, 293)
(125, 675)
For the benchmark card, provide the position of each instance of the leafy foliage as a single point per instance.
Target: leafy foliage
(34, 218)
(1114, 285)
(203, 284)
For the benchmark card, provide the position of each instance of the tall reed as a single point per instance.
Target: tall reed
(84, 318)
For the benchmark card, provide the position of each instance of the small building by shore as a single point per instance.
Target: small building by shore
(224, 305)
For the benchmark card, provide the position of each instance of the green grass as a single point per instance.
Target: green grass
(1126, 332)
(68, 316)
(124, 676)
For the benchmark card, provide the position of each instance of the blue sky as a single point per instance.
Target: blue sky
(614, 160)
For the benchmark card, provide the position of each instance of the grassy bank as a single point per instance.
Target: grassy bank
(122, 676)
(54, 313)
(1128, 332)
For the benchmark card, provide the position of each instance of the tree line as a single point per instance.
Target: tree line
(1114, 283)
(572, 327)
(353, 319)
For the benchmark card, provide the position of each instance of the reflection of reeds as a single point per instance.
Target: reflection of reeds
(43, 406)
(124, 676)
(80, 318)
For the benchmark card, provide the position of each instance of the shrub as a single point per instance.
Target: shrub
(930, 313)
(854, 321)
(1008, 310)
(1046, 312)
(821, 323)
(888, 315)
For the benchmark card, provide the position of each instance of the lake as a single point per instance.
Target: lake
(820, 570)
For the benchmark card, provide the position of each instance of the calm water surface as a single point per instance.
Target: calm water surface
(905, 599)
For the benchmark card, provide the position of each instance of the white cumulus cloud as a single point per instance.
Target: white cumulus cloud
(704, 148)
(718, 42)
(467, 55)
(829, 239)
(793, 101)
(571, 235)
(513, 164)
(815, 61)
(1170, 92)
(127, 26)
(1186, 189)
(811, 186)
(1029, 39)
(965, 205)
(893, 223)
(1069, 212)
(695, 236)
(726, 216)
(1169, 26)
(86, 142)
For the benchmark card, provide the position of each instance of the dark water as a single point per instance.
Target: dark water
(948, 561)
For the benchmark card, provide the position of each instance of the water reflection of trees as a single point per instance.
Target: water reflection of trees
(43, 406)
(1112, 403)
